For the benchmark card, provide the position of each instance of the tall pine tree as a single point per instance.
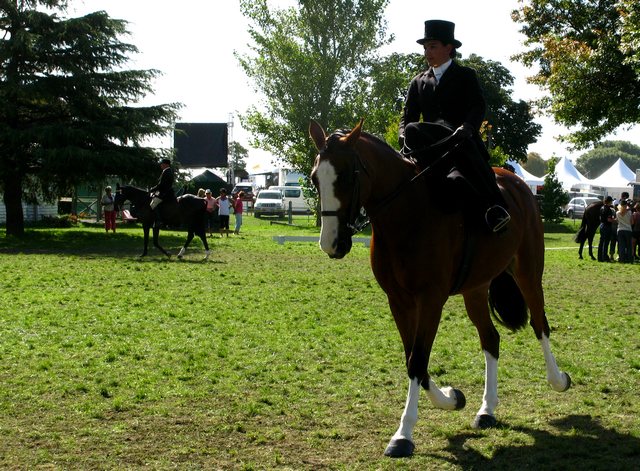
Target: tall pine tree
(553, 196)
(68, 110)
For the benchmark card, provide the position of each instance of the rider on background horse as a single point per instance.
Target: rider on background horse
(163, 191)
(449, 98)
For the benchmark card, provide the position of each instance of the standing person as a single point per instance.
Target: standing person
(163, 191)
(212, 204)
(238, 207)
(224, 206)
(635, 228)
(109, 209)
(623, 216)
(607, 216)
(450, 101)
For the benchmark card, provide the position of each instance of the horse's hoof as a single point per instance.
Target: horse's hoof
(568, 382)
(461, 401)
(483, 421)
(399, 448)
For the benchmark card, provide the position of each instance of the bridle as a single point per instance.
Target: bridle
(358, 218)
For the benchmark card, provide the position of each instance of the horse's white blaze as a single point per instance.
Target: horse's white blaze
(410, 413)
(326, 176)
(490, 397)
(555, 377)
(444, 398)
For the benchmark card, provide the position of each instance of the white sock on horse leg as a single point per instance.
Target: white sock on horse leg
(410, 414)
(444, 398)
(490, 397)
(555, 377)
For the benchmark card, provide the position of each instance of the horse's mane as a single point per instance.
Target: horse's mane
(376, 140)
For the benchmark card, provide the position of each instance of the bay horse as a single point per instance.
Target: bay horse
(189, 210)
(417, 250)
(588, 227)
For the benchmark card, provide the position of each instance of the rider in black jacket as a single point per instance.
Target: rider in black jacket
(450, 101)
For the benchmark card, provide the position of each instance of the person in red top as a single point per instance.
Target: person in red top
(212, 204)
(238, 207)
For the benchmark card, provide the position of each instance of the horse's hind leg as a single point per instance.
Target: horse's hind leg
(203, 237)
(531, 288)
(183, 249)
(590, 236)
(477, 307)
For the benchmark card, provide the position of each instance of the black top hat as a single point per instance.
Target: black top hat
(439, 30)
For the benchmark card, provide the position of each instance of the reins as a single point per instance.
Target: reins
(403, 187)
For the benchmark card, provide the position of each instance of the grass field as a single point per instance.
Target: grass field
(272, 356)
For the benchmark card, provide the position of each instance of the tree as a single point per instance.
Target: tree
(306, 62)
(553, 195)
(512, 124)
(66, 113)
(237, 163)
(596, 161)
(535, 164)
(588, 59)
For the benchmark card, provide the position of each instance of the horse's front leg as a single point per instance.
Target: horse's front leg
(418, 325)
(156, 243)
(145, 250)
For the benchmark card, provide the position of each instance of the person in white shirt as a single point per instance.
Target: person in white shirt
(224, 207)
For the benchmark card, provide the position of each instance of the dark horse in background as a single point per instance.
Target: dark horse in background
(588, 228)
(418, 249)
(188, 211)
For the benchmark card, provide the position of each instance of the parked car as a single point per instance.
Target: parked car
(294, 195)
(269, 203)
(248, 188)
(576, 207)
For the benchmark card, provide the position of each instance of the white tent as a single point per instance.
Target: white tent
(569, 176)
(616, 179)
(529, 178)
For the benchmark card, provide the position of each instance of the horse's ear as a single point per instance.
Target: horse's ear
(317, 134)
(354, 135)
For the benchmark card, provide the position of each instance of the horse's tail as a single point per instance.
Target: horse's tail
(507, 303)
(581, 235)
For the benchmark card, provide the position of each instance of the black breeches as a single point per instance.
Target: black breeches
(468, 158)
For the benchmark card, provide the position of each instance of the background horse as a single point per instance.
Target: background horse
(418, 251)
(588, 227)
(189, 210)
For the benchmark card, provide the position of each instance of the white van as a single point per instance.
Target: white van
(294, 195)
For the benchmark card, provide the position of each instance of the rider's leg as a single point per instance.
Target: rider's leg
(477, 169)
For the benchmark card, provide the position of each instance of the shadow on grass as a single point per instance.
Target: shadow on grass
(80, 242)
(582, 443)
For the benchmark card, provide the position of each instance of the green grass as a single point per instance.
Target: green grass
(272, 356)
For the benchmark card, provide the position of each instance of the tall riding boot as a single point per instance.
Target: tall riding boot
(481, 174)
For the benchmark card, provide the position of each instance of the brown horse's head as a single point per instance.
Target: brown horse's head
(337, 173)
